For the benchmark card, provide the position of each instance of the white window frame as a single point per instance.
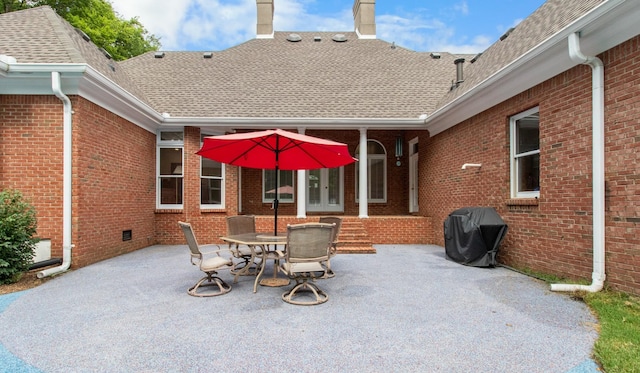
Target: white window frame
(371, 157)
(515, 179)
(168, 144)
(280, 200)
(222, 179)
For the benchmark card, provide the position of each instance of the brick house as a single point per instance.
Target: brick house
(105, 149)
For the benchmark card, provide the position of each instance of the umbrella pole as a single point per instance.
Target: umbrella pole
(275, 203)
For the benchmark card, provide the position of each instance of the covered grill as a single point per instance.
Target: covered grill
(472, 236)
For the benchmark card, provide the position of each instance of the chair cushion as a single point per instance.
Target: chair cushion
(214, 262)
(302, 267)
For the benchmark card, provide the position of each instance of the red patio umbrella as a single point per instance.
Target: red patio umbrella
(276, 150)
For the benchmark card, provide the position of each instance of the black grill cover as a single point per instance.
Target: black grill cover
(472, 236)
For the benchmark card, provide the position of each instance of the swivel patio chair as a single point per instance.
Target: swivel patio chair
(241, 224)
(334, 246)
(306, 253)
(208, 262)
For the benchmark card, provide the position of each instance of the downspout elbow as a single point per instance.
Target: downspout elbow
(66, 179)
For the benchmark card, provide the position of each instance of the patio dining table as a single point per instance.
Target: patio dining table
(262, 245)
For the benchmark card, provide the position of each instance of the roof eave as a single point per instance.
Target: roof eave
(295, 123)
(78, 79)
(604, 27)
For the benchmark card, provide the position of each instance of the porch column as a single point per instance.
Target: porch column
(362, 176)
(301, 198)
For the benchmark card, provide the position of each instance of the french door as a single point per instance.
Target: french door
(325, 190)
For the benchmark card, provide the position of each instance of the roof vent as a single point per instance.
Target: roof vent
(474, 59)
(393, 45)
(158, 54)
(112, 67)
(294, 38)
(207, 54)
(317, 38)
(83, 34)
(106, 54)
(435, 55)
(339, 38)
(506, 34)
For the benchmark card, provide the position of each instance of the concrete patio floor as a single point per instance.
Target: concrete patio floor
(404, 309)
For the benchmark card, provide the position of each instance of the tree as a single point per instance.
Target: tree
(120, 37)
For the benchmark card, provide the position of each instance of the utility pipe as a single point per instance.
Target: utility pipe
(598, 275)
(66, 181)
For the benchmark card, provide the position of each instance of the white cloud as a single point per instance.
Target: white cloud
(220, 24)
(427, 35)
(462, 7)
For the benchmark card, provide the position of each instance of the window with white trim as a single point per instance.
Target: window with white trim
(286, 187)
(169, 168)
(525, 154)
(211, 182)
(376, 172)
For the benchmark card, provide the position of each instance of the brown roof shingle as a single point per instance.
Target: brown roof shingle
(273, 78)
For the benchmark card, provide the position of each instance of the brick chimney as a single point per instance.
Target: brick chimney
(364, 17)
(264, 28)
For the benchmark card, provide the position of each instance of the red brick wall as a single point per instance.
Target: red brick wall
(31, 158)
(113, 174)
(113, 184)
(553, 235)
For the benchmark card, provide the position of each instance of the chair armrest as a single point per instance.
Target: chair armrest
(217, 250)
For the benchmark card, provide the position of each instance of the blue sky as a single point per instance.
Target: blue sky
(457, 26)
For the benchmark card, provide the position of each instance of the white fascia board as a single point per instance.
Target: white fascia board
(607, 25)
(82, 80)
(96, 88)
(294, 123)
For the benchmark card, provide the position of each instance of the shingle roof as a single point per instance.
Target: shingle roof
(39, 35)
(277, 78)
(547, 20)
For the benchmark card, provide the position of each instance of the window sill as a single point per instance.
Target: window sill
(169, 211)
(522, 202)
(212, 210)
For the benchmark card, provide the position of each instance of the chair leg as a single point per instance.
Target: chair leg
(211, 280)
(305, 286)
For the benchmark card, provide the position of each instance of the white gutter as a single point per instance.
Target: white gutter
(295, 123)
(598, 275)
(66, 181)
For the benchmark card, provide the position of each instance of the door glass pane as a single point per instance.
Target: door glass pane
(334, 191)
(314, 187)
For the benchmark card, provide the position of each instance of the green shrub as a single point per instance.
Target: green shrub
(17, 229)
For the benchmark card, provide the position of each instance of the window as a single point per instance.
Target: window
(525, 154)
(169, 168)
(376, 172)
(286, 187)
(211, 182)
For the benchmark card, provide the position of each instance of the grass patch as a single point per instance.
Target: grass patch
(617, 349)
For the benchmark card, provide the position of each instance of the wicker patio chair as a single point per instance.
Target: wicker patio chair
(240, 224)
(306, 253)
(208, 262)
(334, 246)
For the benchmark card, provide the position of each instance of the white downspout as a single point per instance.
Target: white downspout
(598, 275)
(66, 181)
